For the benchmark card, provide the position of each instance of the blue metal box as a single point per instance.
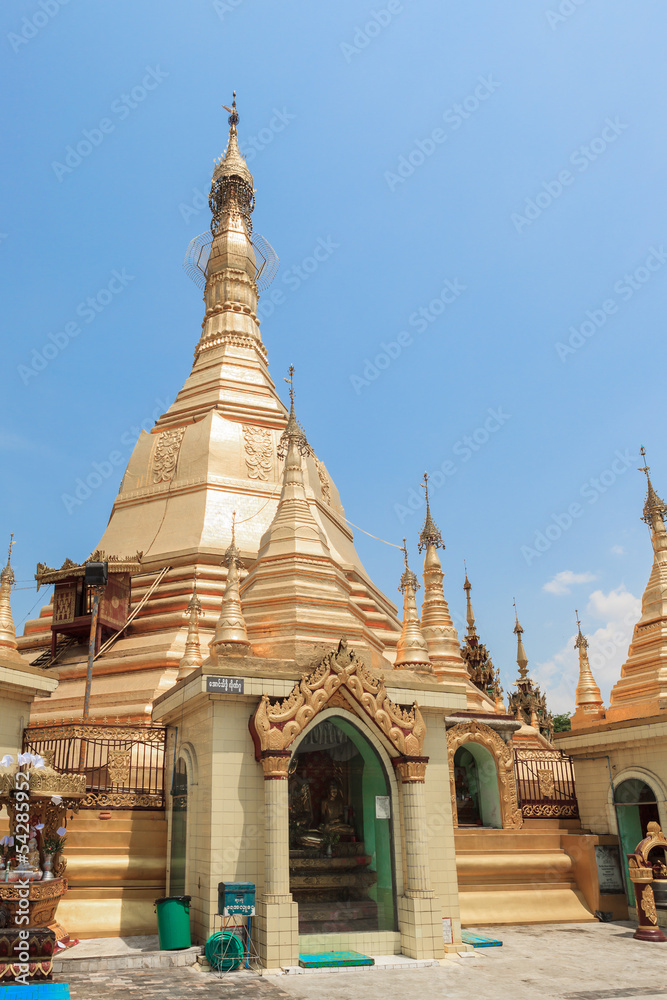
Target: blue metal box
(236, 898)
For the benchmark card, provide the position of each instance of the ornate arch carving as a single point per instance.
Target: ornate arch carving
(276, 724)
(476, 732)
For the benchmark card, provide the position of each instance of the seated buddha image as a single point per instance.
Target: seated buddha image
(333, 812)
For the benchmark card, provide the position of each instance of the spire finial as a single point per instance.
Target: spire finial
(232, 555)
(192, 657)
(581, 640)
(430, 534)
(8, 572)
(521, 658)
(654, 506)
(233, 113)
(409, 579)
(294, 432)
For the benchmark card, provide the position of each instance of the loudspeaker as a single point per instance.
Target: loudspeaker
(97, 574)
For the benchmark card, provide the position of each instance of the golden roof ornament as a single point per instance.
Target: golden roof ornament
(528, 702)
(654, 507)
(192, 657)
(231, 635)
(430, 533)
(7, 630)
(521, 658)
(411, 649)
(589, 702)
(294, 432)
(479, 664)
(232, 183)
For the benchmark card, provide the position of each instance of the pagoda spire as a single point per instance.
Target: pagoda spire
(411, 650)
(436, 622)
(642, 689)
(528, 702)
(589, 705)
(471, 632)
(521, 658)
(192, 657)
(231, 635)
(477, 660)
(8, 642)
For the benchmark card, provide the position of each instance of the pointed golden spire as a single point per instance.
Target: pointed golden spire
(232, 164)
(430, 533)
(411, 649)
(192, 657)
(589, 705)
(436, 622)
(8, 642)
(470, 617)
(521, 658)
(654, 507)
(231, 635)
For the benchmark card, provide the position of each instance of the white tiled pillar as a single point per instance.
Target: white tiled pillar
(419, 909)
(277, 915)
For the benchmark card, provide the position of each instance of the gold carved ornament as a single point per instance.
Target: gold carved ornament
(276, 725)
(258, 451)
(118, 766)
(648, 904)
(474, 732)
(545, 781)
(165, 456)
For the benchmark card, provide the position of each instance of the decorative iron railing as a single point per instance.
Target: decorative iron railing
(545, 784)
(123, 764)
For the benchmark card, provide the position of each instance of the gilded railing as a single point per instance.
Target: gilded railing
(545, 784)
(123, 764)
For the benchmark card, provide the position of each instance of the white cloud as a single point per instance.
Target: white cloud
(619, 610)
(563, 582)
(618, 550)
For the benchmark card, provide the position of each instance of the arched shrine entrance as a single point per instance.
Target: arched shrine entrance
(341, 856)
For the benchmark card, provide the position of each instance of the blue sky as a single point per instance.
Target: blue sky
(490, 181)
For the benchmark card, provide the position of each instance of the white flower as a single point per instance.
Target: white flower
(4, 840)
(60, 944)
(61, 831)
(7, 760)
(39, 826)
(57, 799)
(38, 761)
(10, 841)
(24, 758)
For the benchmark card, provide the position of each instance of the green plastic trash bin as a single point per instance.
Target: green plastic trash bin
(173, 922)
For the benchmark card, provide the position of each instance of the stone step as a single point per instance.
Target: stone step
(100, 958)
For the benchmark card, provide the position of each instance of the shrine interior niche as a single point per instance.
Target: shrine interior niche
(340, 830)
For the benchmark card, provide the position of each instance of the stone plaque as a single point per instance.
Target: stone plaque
(447, 935)
(608, 861)
(382, 807)
(225, 685)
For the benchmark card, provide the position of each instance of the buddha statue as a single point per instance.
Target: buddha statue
(333, 812)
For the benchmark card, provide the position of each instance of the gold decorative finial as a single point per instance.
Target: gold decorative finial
(581, 640)
(521, 658)
(8, 644)
(589, 704)
(231, 636)
(192, 657)
(409, 579)
(430, 533)
(232, 189)
(654, 506)
(233, 113)
(294, 432)
(411, 649)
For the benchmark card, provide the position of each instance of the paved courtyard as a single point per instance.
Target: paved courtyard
(545, 962)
